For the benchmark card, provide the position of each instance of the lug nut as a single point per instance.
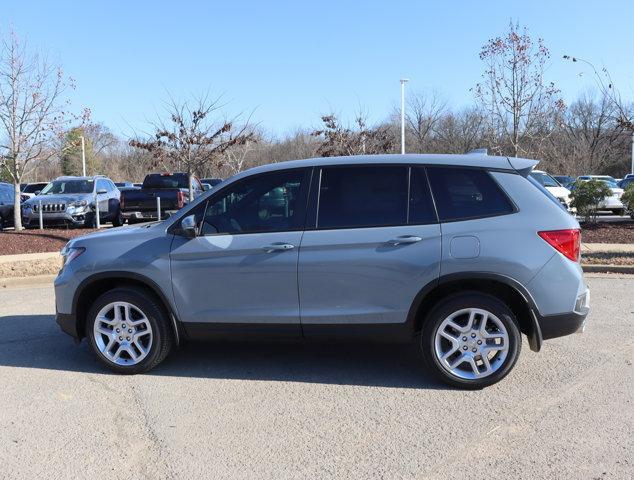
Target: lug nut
(464, 339)
(123, 326)
(130, 331)
(479, 342)
(120, 338)
(464, 348)
(118, 330)
(127, 338)
(474, 350)
(473, 335)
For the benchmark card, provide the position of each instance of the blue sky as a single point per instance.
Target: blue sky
(289, 62)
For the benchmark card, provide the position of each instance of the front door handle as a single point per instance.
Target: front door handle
(278, 247)
(404, 240)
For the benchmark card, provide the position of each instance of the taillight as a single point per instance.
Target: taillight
(566, 242)
(180, 197)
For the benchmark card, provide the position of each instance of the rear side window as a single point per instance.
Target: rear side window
(157, 180)
(463, 193)
(354, 197)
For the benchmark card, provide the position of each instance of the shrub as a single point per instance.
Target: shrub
(586, 197)
(628, 198)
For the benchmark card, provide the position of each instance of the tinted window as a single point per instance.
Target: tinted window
(421, 205)
(362, 197)
(265, 203)
(33, 187)
(6, 195)
(466, 193)
(158, 180)
(102, 185)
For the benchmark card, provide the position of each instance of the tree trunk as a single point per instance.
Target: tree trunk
(17, 211)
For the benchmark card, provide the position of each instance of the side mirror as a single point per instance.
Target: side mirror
(206, 187)
(37, 192)
(103, 190)
(189, 228)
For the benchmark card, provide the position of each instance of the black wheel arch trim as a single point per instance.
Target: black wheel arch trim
(535, 338)
(147, 282)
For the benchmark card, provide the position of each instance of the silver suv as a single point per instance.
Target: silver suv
(72, 201)
(462, 252)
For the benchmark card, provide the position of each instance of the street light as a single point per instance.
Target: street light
(83, 156)
(403, 82)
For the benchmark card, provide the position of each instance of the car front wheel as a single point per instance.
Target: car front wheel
(471, 340)
(128, 331)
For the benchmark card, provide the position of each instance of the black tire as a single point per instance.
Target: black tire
(117, 221)
(163, 336)
(460, 301)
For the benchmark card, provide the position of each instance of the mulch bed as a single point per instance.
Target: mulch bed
(607, 259)
(604, 232)
(37, 241)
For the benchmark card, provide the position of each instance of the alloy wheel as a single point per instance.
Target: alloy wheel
(123, 333)
(471, 343)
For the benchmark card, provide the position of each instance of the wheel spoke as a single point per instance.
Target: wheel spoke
(450, 352)
(456, 327)
(105, 331)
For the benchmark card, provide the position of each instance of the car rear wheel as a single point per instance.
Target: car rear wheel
(128, 331)
(471, 340)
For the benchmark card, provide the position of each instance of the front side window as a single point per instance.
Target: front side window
(266, 203)
(354, 197)
(462, 193)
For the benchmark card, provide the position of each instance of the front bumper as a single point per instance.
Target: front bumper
(57, 218)
(68, 323)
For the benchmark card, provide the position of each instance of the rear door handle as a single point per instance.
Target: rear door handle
(405, 239)
(278, 247)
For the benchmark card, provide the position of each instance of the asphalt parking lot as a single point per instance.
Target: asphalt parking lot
(252, 410)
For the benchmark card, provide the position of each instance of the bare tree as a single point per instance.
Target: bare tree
(192, 139)
(519, 103)
(32, 112)
(337, 140)
(423, 115)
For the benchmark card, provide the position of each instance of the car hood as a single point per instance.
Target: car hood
(559, 191)
(58, 198)
(121, 234)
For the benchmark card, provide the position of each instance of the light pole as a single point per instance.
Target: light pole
(632, 152)
(83, 156)
(403, 82)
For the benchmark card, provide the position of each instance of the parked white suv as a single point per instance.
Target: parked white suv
(560, 192)
(613, 202)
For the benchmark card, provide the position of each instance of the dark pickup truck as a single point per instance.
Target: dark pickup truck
(140, 205)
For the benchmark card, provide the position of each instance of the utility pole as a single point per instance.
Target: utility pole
(632, 152)
(403, 82)
(83, 156)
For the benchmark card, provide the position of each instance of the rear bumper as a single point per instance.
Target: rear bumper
(146, 215)
(553, 326)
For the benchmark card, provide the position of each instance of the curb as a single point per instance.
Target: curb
(608, 268)
(34, 281)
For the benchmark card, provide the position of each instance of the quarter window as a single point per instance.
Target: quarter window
(462, 193)
(353, 197)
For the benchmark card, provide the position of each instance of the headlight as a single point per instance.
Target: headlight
(70, 253)
(82, 203)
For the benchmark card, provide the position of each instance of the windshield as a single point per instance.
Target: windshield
(545, 180)
(60, 187)
(610, 183)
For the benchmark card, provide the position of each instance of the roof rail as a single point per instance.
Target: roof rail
(478, 151)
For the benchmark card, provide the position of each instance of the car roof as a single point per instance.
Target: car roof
(72, 177)
(465, 160)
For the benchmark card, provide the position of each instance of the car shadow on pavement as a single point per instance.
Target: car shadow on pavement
(35, 341)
